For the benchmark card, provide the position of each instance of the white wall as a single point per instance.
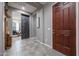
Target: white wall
(32, 26)
(77, 28)
(1, 29)
(48, 24)
(40, 30)
(44, 33)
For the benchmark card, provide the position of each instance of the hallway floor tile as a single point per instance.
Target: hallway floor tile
(30, 47)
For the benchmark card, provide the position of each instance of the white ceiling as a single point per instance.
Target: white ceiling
(43, 3)
(27, 7)
(20, 5)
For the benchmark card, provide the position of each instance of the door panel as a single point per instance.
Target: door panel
(24, 26)
(64, 28)
(57, 27)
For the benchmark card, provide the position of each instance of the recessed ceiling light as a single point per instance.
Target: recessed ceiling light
(23, 8)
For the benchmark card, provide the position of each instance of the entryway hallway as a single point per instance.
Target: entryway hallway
(30, 47)
(52, 29)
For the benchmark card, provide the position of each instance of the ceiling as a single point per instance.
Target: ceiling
(29, 7)
(43, 3)
(20, 5)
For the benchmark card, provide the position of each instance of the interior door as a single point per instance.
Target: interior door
(24, 26)
(64, 28)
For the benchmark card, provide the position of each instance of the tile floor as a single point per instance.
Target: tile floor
(29, 47)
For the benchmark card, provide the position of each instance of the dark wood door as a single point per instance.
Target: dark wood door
(64, 28)
(24, 26)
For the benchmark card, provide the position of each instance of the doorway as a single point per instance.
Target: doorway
(64, 28)
(24, 26)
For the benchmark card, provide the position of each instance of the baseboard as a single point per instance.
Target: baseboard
(44, 44)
